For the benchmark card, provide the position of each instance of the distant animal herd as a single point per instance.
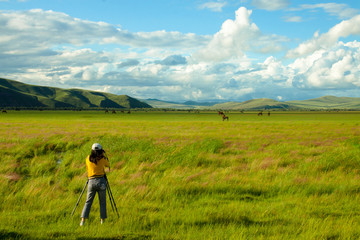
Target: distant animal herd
(114, 112)
(261, 113)
(221, 113)
(224, 117)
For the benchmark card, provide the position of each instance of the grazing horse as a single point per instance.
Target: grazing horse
(4, 111)
(260, 114)
(225, 117)
(220, 113)
(106, 111)
(113, 111)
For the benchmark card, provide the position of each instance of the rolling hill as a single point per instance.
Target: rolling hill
(254, 104)
(328, 102)
(322, 103)
(14, 94)
(20, 95)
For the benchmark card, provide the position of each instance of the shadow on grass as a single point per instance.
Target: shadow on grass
(238, 220)
(222, 190)
(12, 235)
(124, 237)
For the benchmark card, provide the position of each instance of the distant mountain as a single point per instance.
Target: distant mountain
(165, 104)
(328, 102)
(254, 104)
(17, 94)
(322, 103)
(193, 103)
(185, 105)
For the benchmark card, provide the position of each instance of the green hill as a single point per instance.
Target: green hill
(17, 94)
(328, 102)
(254, 104)
(322, 103)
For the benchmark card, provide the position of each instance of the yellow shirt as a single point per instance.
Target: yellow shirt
(98, 169)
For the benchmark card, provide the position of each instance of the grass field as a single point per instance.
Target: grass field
(180, 175)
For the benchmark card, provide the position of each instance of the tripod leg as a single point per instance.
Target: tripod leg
(80, 197)
(113, 201)
(107, 186)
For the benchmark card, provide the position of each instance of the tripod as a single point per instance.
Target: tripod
(111, 197)
(112, 201)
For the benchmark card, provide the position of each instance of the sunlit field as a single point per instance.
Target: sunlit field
(183, 175)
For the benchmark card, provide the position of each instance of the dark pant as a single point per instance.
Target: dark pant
(96, 185)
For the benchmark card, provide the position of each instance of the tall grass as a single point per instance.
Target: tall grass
(183, 175)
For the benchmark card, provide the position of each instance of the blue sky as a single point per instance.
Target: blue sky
(185, 50)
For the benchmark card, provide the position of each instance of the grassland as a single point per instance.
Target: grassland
(179, 175)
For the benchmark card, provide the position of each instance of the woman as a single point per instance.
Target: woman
(95, 165)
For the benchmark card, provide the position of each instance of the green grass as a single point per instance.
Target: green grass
(180, 175)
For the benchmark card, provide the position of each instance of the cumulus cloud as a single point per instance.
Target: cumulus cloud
(236, 37)
(270, 5)
(326, 40)
(233, 38)
(337, 68)
(273, 69)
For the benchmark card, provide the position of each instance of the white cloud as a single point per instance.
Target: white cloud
(337, 68)
(272, 68)
(55, 49)
(293, 19)
(236, 37)
(270, 5)
(326, 40)
(237, 93)
(233, 38)
(39, 29)
(342, 11)
(213, 6)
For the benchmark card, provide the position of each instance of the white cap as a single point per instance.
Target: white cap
(96, 146)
